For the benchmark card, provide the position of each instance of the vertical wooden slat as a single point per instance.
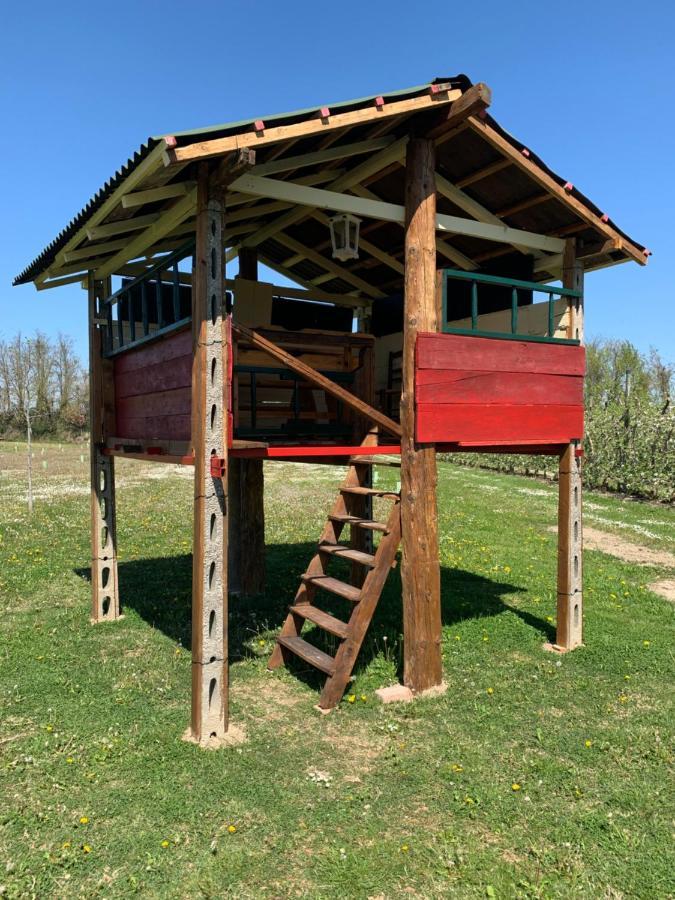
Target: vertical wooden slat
(105, 605)
(420, 569)
(569, 626)
(210, 391)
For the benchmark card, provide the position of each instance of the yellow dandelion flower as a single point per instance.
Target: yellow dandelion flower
(515, 786)
(646, 643)
(66, 845)
(458, 637)
(588, 743)
(469, 801)
(404, 848)
(363, 698)
(231, 828)
(490, 691)
(549, 618)
(623, 698)
(84, 820)
(70, 760)
(165, 844)
(485, 637)
(261, 642)
(351, 698)
(457, 768)
(626, 677)
(86, 848)
(50, 727)
(507, 569)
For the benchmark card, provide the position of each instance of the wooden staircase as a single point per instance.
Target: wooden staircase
(369, 569)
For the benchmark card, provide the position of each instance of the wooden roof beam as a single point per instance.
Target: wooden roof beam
(123, 226)
(167, 192)
(329, 265)
(470, 206)
(289, 163)
(218, 146)
(556, 190)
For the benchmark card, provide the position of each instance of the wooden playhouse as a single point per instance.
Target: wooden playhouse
(422, 240)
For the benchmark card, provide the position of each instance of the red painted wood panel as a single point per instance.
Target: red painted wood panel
(177, 428)
(458, 351)
(153, 389)
(452, 386)
(487, 391)
(161, 350)
(462, 422)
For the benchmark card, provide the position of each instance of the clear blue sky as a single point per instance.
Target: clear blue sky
(588, 86)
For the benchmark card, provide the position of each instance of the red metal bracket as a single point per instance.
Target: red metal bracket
(218, 467)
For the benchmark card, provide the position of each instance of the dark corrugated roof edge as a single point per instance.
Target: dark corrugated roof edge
(46, 257)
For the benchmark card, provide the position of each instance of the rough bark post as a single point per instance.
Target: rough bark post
(569, 627)
(210, 386)
(105, 601)
(420, 569)
(247, 497)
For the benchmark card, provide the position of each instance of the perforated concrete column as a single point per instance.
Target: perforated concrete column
(209, 429)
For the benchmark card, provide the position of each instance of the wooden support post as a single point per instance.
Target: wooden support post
(247, 496)
(420, 569)
(105, 601)
(569, 629)
(210, 389)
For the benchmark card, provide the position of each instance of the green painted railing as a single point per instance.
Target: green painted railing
(167, 309)
(515, 285)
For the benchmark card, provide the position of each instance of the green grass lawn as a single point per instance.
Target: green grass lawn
(533, 776)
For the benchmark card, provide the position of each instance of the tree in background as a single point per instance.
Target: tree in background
(43, 379)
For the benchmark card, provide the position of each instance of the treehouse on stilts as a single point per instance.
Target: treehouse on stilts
(423, 240)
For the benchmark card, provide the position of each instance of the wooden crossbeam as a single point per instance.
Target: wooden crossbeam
(167, 192)
(90, 251)
(218, 146)
(390, 212)
(314, 377)
(447, 250)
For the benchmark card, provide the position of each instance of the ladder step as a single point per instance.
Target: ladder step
(322, 619)
(368, 492)
(339, 550)
(368, 524)
(374, 461)
(334, 586)
(310, 654)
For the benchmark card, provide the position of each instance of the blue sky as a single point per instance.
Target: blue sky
(587, 85)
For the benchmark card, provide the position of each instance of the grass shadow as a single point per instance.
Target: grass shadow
(159, 590)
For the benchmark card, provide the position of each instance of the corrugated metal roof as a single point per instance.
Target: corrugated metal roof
(46, 257)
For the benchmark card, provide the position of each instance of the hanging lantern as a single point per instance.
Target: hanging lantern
(344, 236)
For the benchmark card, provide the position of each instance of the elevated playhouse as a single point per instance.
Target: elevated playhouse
(423, 240)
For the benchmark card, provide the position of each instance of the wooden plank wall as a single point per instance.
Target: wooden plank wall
(152, 389)
(471, 389)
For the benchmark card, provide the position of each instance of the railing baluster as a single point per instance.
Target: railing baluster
(110, 338)
(132, 317)
(474, 305)
(158, 301)
(551, 317)
(144, 308)
(120, 326)
(176, 293)
(514, 311)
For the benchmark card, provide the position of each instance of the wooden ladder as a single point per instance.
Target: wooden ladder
(369, 570)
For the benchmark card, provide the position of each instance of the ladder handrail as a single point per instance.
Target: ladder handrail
(311, 375)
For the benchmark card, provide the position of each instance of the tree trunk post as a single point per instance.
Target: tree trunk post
(246, 488)
(210, 401)
(420, 569)
(569, 624)
(105, 599)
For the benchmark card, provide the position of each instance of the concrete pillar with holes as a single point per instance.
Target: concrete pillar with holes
(210, 388)
(105, 601)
